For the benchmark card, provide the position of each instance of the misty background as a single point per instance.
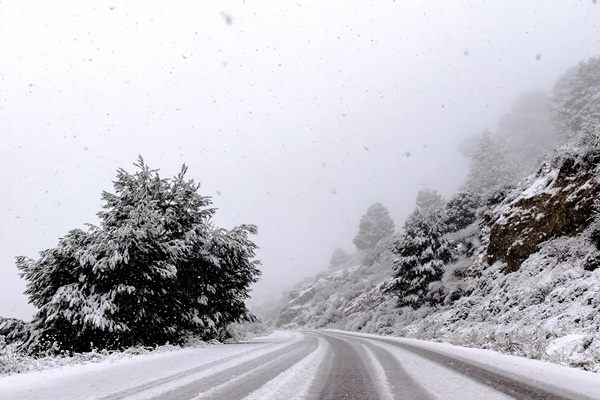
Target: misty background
(294, 117)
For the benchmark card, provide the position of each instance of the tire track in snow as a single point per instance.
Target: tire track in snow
(239, 381)
(515, 388)
(418, 378)
(148, 389)
(390, 378)
(380, 378)
(298, 381)
(349, 378)
(503, 383)
(399, 381)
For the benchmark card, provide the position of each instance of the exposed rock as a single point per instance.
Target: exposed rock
(559, 203)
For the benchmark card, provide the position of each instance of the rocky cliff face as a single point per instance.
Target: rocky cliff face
(560, 202)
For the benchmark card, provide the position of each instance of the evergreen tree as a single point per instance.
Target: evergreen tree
(526, 132)
(338, 257)
(421, 253)
(429, 201)
(489, 169)
(575, 103)
(375, 225)
(153, 271)
(461, 210)
(225, 266)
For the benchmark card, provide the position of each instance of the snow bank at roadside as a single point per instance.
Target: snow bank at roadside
(11, 362)
(14, 363)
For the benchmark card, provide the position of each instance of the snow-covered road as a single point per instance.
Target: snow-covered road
(311, 365)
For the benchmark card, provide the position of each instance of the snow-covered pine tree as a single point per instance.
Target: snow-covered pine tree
(224, 263)
(375, 225)
(338, 257)
(130, 280)
(52, 288)
(489, 169)
(421, 253)
(461, 210)
(527, 132)
(575, 103)
(429, 201)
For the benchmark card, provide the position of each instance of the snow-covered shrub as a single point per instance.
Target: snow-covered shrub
(17, 362)
(539, 293)
(593, 231)
(193, 341)
(436, 294)
(136, 350)
(456, 293)
(239, 331)
(15, 331)
(359, 323)
(592, 261)
(330, 317)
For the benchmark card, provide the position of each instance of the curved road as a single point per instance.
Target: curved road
(327, 365)
(368, 360)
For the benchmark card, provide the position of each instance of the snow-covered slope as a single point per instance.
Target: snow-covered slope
(531, 288)
(535, 283)
(341, 297)
(559, 202)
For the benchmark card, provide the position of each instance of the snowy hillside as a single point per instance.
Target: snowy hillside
(530, 288)
(548, 306)
(346, 297)
(511, 263)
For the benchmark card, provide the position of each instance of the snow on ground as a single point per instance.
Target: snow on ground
(542, 184)
(567, 345)
(447, 384)
(527, 312)
(131, 377)
(110, 376)
(548, 374)
(295, 382)
(382, 384)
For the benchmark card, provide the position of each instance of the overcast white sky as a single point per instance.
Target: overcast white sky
(295, 116)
